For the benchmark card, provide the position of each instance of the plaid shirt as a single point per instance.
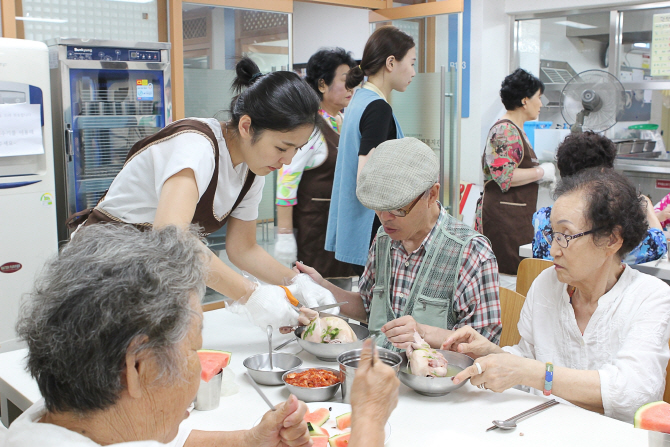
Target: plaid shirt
(476, 301)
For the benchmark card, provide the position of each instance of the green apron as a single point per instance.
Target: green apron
(431, 298)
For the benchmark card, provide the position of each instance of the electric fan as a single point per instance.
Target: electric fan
(592, 100)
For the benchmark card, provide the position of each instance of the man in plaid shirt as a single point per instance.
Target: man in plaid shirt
(435, 273)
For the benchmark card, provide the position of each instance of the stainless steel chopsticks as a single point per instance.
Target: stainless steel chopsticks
(260, 392)
(529, 413)
(284, 344)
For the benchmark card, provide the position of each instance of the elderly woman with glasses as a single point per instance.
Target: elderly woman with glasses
(113, 328)
(600, 327)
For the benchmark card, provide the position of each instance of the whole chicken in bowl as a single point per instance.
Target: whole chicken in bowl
(325, 329)
(425, 361)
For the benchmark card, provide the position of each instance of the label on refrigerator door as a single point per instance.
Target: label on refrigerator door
(145, 91)
(20, 130)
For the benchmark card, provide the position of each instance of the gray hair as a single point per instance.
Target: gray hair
(110, 286)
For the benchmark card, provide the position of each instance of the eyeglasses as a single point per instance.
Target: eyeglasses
(404, 212)
(564, 239)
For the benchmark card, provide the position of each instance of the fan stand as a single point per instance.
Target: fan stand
(579, 122)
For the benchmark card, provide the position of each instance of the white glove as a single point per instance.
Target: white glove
(549, 173)
(286, 249)
(267, 305)
(310, 294)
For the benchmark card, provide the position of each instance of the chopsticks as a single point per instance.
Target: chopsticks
(261, 393)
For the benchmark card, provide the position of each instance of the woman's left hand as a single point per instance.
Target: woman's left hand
(499, 372)
(282, 427)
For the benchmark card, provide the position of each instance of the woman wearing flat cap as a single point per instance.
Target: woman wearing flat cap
(426, 272)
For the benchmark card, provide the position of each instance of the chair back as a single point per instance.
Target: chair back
(666, 394)
(213, 306)
(529, 268)
(510, 305)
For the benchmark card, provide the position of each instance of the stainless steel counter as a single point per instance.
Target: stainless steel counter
(651, 176)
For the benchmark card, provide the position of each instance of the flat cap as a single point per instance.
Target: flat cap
(397, 172)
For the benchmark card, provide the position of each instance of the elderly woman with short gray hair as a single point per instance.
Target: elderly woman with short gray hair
(113, 328)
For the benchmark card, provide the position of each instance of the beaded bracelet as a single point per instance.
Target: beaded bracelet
(548, 378)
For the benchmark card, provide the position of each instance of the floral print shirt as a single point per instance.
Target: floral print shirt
(660, 206)
(503, 153)
(312, 155)
(652, 247)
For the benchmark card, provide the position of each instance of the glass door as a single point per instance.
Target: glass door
(429, 109)
(215, 38)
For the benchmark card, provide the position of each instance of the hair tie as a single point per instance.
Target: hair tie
(255, 76)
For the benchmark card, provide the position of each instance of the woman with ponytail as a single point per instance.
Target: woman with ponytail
(199, 171)
(388, 62)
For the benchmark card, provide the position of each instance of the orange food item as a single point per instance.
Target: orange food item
(312, 378)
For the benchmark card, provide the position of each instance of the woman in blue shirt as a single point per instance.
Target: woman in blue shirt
(591, 150)
(388, 62)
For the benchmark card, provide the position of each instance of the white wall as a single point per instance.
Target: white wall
(316, 26)
(489, 59)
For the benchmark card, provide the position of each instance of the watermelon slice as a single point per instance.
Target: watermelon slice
(654, 416)
(315, 430)
(343, 421)
(340, 440)
(319, 441)
(212, 362)
(318, 417)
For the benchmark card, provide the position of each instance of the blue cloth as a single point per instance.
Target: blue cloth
(652, 247)
(349, 222)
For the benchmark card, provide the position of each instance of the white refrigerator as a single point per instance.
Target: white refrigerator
(28, 230)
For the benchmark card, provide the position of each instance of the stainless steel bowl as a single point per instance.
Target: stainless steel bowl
(318, 394)
(328, 352)
(434, 386)
(259, 367)
(349, 363)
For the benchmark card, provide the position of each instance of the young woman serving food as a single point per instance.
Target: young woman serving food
(208, 173)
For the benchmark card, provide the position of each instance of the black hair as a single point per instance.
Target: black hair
(611, 204)
(323, 64)
(384, 42)
(584, 150)
(279, 101)
(517, 86)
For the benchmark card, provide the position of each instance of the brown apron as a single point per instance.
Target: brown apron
(310, 215)
(204, 215)
(507, 217)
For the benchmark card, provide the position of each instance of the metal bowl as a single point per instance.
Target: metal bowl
(259, 367)
(328, 352)
(434, 386)
(316, 394)
(349, 364)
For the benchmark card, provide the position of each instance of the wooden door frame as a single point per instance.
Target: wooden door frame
(8, 18)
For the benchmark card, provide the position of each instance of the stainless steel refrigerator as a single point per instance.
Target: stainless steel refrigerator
(106, 95)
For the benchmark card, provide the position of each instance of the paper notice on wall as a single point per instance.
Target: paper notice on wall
(660, 45)
(20, 130)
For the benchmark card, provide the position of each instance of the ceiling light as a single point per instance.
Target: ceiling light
(572, 24)
(41, 19)
(132, 1)
(641, 45)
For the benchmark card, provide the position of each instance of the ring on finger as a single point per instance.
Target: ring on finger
(482, 386)
(479, 368)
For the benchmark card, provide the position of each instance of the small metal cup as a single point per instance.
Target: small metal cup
(209, 393)
(349, 364)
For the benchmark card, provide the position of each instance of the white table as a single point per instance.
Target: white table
(461, 416)
(659, 268)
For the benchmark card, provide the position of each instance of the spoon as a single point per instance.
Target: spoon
(510, 423)
(269, 330)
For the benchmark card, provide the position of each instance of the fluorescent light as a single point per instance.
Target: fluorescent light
(41, 19)
(572, 24)
(132, 1)
(641, 45)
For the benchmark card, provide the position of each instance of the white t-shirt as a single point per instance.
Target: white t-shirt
(26, 431)
(134, 193)
(626, 339)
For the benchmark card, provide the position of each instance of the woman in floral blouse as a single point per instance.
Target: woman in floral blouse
(511, 172)
(304, 187)
(591, 150)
